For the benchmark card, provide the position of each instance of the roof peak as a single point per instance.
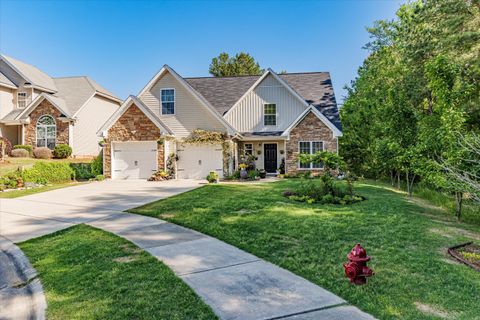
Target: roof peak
(259, 75)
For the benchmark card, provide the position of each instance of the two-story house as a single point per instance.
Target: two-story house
(272, 117)
(41, 111)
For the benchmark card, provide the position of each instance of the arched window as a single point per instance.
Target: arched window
(46, 132)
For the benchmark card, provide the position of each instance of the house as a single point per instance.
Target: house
(41, 111)
(270, 118)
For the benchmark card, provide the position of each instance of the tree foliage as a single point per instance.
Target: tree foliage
(242, 64)
(415, 94)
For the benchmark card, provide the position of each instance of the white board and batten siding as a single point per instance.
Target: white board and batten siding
(247, 115)
(134, 159)
(189, 115)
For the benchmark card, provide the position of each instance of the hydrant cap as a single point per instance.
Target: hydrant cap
(358, 254)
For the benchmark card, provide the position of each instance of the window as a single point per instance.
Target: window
(270, 114)
(168, 101)
(21, 99)
(310, 147)
(46, 132)
(248, 148)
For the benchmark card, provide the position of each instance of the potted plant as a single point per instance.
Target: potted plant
(262, 173)
(212, 177)
(243, 170)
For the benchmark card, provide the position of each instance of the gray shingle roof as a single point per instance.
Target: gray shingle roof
(32, 74)
(5, 80)
(315, 87)
(12, 114)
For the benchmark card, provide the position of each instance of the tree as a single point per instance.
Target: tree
(241, 64)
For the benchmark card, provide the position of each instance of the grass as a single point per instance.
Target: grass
(415, 278)
(11, 164)
(26, 192)
(91, 274)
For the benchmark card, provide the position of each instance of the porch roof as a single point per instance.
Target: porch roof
(263, 135)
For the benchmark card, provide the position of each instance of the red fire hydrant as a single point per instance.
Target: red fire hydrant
(356, 269)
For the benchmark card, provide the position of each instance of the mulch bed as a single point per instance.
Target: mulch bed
(467, 253)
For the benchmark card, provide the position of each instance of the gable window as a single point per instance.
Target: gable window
(248, 148)
(21, 99)
(168, 101)
(310, 147)
(270, 114)
(46, 132)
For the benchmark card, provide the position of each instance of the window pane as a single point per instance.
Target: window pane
(40, 142)
(304, 147)
(46, 120)
(51, 143)
(270, 109)
(248, 149)
(41, 132)
(168, 95)
(317, 146)
(168, 108)
(270, 120)
(50, 132)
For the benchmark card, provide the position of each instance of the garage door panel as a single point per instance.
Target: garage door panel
(134, 160)
(196, 161)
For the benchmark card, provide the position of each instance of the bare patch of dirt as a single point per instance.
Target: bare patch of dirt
(433, 310)
(440, 232)
(166, 215)
(126, 259)
(128, 248)
(465, 233)
(425, 204)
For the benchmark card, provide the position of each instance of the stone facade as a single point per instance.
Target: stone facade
(45, 108)
(311, 128)
(133, 125)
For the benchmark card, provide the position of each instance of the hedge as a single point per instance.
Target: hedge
(49, 172)
(83, 171)
(24, 147)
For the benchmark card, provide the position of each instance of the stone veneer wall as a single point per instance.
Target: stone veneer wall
(309, 129)
(45, 108)
(133, 125)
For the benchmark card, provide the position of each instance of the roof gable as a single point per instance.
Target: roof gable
(312, 109)
(55, 101)
(103, 131)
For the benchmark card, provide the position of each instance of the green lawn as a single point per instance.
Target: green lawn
(91, 274)
(26, 192)
(415, 279)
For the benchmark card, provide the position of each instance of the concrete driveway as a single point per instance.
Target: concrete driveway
(43, 213)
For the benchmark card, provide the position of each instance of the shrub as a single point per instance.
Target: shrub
(253, 174)
(62, 151)
(82, 171)
(9, 182)
(100, 177)
(48, 172)
(42, 153)
(19, 153)
(25, 147)
(97, 165)
(212, 177)
(288, 193)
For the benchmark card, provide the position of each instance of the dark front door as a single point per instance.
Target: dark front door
(270, 157)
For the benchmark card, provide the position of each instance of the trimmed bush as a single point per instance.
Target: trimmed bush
(100, 177)
(20, 153)
(62, 151)
(25, 147)
(42, 153)
(48, 172)
(212, 177)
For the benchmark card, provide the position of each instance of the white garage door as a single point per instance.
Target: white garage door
(196, 161)
(134, 160)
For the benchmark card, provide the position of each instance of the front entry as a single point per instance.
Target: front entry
(270, 157)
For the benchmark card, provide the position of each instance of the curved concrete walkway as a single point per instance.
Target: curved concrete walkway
(236, 284)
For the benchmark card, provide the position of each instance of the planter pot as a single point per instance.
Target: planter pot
(243, 174)
(263, 174)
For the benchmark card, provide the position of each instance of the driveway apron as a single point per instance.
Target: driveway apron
(236, 284)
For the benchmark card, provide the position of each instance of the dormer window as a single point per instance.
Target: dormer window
(270, 114)
(21, 99)
(168, 101)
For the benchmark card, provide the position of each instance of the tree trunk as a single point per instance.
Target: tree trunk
(410, 189)
(392, 178)
(408, 183)
(458, 202)
(398, 180)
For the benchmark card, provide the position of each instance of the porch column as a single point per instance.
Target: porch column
(22, 133)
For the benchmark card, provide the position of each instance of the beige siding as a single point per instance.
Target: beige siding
(259, 148)
(6, 101)
(89, 120)
(247, 116)
(189, 115)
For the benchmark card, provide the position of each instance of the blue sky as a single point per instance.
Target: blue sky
(122, 44)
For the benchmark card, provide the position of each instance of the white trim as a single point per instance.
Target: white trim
(192, 91)
(335, 131)
(270, 114)
(70, 134)
(103, 131)
(24, 100)
(174, 102)
(93, 96)
(6, 85)
(244, 148)
(311, 163)
(23, 134)
(83, 105)
(46, 131)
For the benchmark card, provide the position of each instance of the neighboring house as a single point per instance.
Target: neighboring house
(42, 111)
(271, 117)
